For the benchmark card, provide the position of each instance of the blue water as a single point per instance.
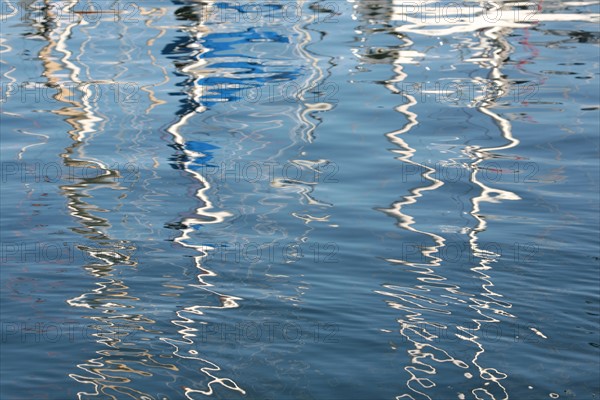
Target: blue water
(368, 199)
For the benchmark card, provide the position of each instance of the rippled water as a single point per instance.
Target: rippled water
(376, 199)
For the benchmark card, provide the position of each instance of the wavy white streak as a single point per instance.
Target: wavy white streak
(414, 326)
(489, 195)
(10, 86)
(183, 346)
(406, 154)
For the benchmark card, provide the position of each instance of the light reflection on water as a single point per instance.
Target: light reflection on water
(434, 292)
(425, 303)
(168, 107)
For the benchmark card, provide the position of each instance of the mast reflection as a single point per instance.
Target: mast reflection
(220, 82)
(111, 308)
(433, 309)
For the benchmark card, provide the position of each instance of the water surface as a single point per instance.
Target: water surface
(299, 200)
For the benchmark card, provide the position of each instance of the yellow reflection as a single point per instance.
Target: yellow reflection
(111, 306)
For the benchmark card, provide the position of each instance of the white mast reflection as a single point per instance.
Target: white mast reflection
(418, 301)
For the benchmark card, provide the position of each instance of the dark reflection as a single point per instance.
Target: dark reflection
(574, 37)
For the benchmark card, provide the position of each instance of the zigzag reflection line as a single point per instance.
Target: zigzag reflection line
(413, 324)
(479, 154)
(204, 214)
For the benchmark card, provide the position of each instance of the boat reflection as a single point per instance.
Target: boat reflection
(224, 81)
